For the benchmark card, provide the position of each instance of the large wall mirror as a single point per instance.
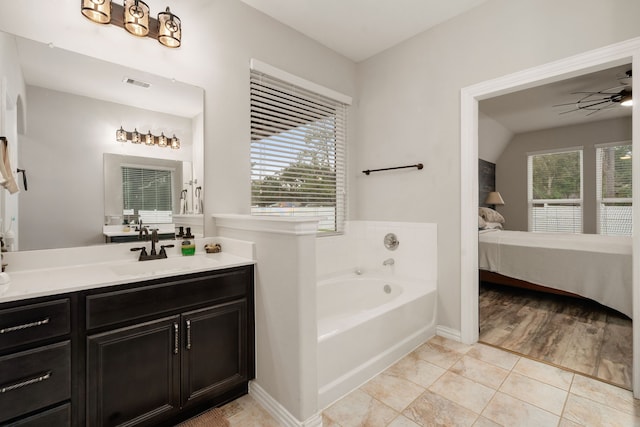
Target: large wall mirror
(60, 113)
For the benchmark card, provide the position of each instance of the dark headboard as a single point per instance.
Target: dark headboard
(486, 180)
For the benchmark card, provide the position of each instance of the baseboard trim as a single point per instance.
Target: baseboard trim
(278, 411)
(449, 333)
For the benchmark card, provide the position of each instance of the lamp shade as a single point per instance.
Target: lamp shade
(169, 29)
(494, 198)
(98, 11)
(136, 17)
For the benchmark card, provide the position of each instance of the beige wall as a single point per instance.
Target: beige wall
(511, 167)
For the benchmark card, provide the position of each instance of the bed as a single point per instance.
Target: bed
(588, 265)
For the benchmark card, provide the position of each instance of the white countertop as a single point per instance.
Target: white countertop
(45, 279)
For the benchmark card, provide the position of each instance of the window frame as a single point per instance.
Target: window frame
(295, 87)
(531, 201)
(599, 197)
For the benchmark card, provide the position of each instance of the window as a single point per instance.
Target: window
(147, 190)
(613, 188)
(298, 140)
(555, 191)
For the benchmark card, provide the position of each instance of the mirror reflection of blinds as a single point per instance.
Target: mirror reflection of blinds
(613, 189)
(555, 191)
(297, 152)
(146, 189)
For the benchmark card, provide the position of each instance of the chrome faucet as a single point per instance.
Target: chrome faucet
(388, 261)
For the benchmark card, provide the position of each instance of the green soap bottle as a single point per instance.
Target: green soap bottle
(188, 248)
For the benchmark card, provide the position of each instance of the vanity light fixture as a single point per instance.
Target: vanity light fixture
(134, 16)
(149, 139)
(135, 137)
(121, 135)
(175, 142)
(98, 11)
(169, 29)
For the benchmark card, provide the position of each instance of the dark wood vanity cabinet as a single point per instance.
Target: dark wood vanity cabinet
(159, 352)
(150, 353)
(35, 362)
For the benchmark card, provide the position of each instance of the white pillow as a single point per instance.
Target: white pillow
(481, 223)
(493, 226)
(489, 215)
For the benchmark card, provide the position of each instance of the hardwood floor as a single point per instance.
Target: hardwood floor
(580, 335)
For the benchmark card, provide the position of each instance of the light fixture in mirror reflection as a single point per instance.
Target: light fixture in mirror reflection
(149, 139)
(62, 120)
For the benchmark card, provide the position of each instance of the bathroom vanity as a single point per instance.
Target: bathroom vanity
(138, 348)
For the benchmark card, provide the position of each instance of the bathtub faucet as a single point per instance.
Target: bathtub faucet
(388, 261)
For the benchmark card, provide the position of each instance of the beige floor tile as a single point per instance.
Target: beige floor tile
(566, 423)
(485, 422)
(479, 371)
(451, 344)
(250, 414)
(432, 410)
(402, 421)
(463, 391)
(416, 370)
(328, 422)
(543, 372)
(358, 409)
(590, 413)
(437, 354)
(509, 411)
(606, 394)
(537, 393)
(497, 357)
(395, 392)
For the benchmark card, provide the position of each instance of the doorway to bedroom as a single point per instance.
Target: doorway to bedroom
(621, 54)
(556, 159)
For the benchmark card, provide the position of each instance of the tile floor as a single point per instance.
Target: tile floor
(445, 383)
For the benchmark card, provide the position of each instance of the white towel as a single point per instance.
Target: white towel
(5, 167)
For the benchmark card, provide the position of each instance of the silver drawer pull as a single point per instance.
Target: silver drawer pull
(26, 383)
(176, 338)
(188, 334)
(25, 326)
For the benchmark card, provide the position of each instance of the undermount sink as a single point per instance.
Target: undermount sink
(163, 266)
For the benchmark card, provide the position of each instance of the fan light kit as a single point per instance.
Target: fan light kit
(603, 99)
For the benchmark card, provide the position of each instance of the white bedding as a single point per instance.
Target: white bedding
(594, 266)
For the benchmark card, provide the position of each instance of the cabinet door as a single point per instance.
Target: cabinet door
(214, 358)
(133, 373)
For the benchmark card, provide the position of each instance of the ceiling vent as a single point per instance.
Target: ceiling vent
(136, 82)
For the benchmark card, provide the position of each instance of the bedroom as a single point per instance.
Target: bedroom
(555, 122)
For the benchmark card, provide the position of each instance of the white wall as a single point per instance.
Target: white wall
(511, 167)
(362, 247)
(62, 152)
(409, 107)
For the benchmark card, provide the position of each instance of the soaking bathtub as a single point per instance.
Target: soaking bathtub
(365, 323)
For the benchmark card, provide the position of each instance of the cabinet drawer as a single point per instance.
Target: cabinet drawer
(33, 322)
(157, 299)
(35, 378)
(60, 416)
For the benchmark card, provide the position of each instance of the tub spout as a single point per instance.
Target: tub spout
(388, 261)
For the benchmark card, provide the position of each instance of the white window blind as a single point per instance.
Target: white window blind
(555, 191)
(146, 189)
(298, 157)
(613, 189)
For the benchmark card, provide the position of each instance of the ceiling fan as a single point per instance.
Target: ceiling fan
(592, 102)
